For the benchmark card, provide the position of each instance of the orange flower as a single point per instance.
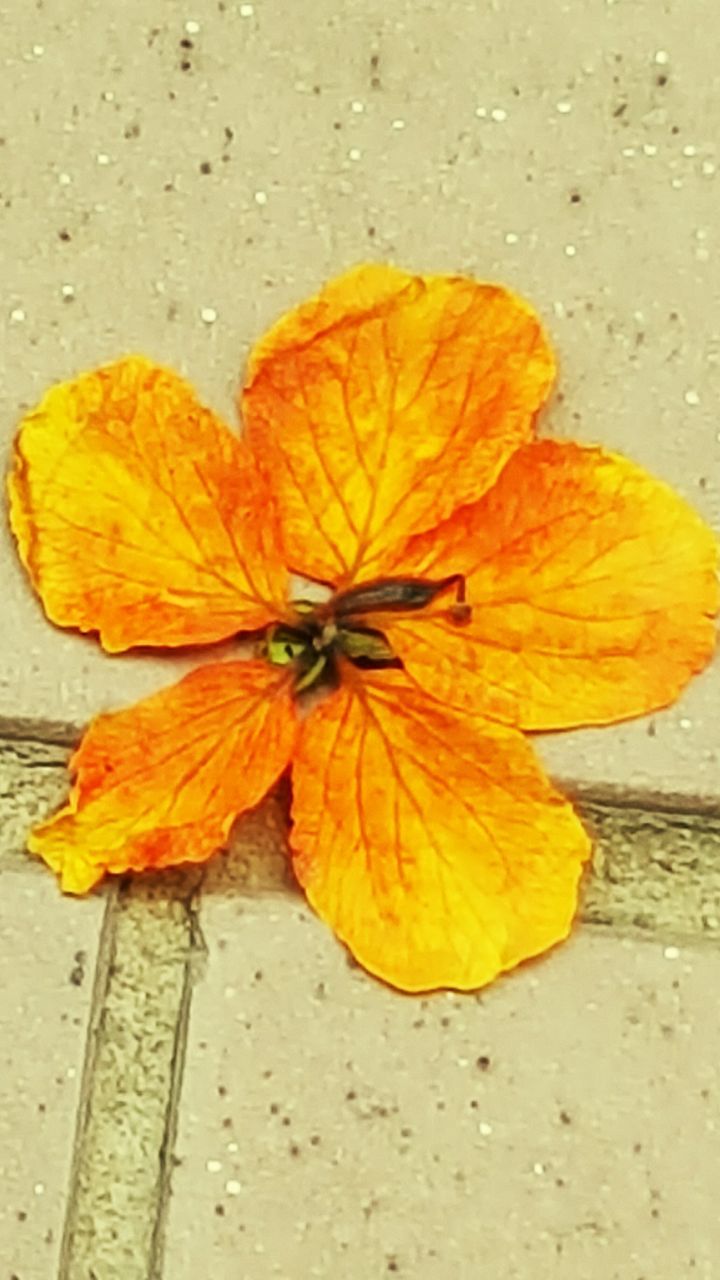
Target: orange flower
(483, 583)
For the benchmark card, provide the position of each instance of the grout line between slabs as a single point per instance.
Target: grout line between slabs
(120, 1180)
(167, 1151)
(103, 966)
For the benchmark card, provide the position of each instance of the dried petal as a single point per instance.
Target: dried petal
(138, 514)
(384, 403)
(162, 782)
(431, 842)
(593, 589)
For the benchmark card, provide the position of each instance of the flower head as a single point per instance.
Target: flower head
(481, 582)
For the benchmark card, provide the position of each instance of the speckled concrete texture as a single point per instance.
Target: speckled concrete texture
(331, 1127)
(196, 1080)
(174, 177)
(47, 958)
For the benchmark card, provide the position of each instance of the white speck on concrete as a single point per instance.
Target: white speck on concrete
(570, 250)
(511, 237)
(398, 124)
(357, 107)
(691, 397)
(38, 50)
(689, 150)
(233, 1187)
(499, 114)
(102, 157)
(629, 151)
(247, 10)
(662, 57)
(64, 179)
(650, 149)
(17, 315)
(672, 953)
(68, 291)
(261, 197)
(708, 168)
(354, 153)
(485, 1128)
(192, 27)
(208, 315)
(481, 112)
(564, 107)
(213, 1166)
(39, 1188)
(108, 95)
(538, 1168)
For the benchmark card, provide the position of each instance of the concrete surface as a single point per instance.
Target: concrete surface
(159, 160)
(330, 1128)
(193, 1073)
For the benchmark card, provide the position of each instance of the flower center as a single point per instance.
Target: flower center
(324, 634)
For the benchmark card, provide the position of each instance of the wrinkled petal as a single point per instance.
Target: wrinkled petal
(593, 588)
(431, 842)
(385, 402)
(162, 782)
(139, 515)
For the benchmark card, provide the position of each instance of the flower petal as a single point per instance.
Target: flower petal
(431, 842)
(162, 782)
(593, 588)
(385, 402)
(139, 514)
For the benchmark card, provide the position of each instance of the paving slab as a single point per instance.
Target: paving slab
(561, 1124)
(48, 950)
(158, 161)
